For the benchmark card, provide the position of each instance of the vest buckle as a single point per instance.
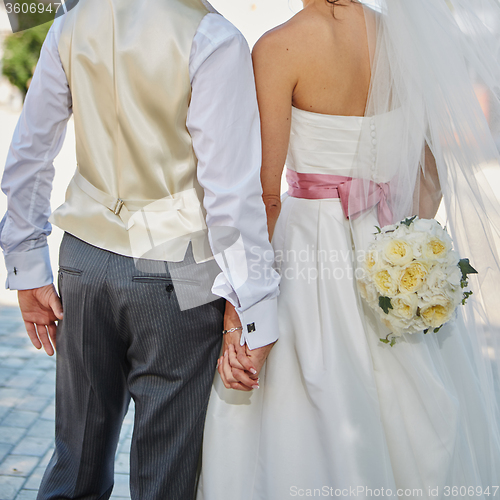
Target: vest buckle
(118, 206)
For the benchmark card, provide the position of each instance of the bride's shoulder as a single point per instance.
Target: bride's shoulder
(289, 38)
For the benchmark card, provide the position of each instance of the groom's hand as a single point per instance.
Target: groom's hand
(41, 308)
(244, 376)
(257, 357)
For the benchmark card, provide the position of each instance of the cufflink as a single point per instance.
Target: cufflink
(251, 328)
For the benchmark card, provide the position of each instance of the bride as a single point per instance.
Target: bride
(383, 95)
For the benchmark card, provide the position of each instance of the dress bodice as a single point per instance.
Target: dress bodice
(345, 145)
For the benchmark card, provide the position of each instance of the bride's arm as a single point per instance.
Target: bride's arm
(275, 80)
(429, 193)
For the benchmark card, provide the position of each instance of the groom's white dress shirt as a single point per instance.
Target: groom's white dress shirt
(228, 169)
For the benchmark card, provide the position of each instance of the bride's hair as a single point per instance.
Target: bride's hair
(335, 3)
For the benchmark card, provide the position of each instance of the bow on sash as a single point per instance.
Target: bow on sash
(356, 195)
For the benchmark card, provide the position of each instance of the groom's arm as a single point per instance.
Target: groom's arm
(27, 182)
(29, 170)
(224, 123)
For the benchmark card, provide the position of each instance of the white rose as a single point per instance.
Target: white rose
(368, 292)
(401, 232)
(373, 260)
(454, 275)
(437, 311)
(404, 305)
(455, 295)
(386, 281)
(397, 252)
(428, 226)
(436, 249)
(413, 277)
(396, 324)
(452, 258)
(415, 242)
(437, 278)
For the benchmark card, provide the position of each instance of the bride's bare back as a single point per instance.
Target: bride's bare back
(316, 62)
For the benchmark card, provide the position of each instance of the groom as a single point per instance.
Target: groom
(168, 151)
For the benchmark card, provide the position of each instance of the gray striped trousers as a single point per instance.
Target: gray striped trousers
(124, 335)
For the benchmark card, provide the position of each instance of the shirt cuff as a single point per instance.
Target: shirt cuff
(28, 270)
(260, 324)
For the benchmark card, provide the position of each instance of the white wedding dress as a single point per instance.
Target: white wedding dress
(338, 413)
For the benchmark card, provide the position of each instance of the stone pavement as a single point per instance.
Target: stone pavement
(27, 415)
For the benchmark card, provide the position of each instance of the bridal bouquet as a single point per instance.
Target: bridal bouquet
(413, 279)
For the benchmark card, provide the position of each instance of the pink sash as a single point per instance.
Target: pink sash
(356, 195)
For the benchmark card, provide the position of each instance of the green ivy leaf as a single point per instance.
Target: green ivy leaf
(466, 296)
(385, 303)
(393, 341)
(408, 221)
(466, 268)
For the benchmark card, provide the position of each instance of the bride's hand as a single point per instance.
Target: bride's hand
(243, 375)
(255, 358)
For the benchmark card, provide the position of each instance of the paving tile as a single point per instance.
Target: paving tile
(18, 418)
(129, 418)
(6, 352)
(126, 432)
(3, 411)
(33, 446)
(10, 486)
(4, 450)
(46, 459)
(9, 397)
(42, 428)
(14, 362)
(43, 362)
(6, 374)
(121, 488)
(124, 446)
(45, 389)
(50, 375)
(33, 482)
(33, 403)
(11, 435)
(18, 465)
(24, 379)
(49, 413)
(24, 351)
(122, 463)
(27, 495)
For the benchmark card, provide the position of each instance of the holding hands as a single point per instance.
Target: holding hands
(239, 367)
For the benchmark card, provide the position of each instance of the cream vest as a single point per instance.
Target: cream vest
(135, 190)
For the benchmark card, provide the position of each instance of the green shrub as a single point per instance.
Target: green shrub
(21, 54)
